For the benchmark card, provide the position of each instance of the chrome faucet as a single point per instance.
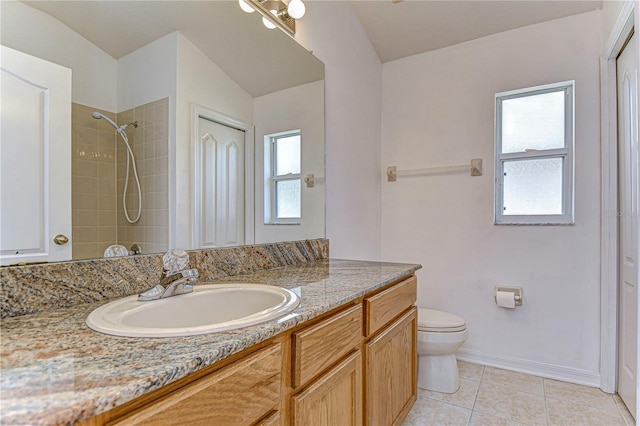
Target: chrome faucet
(171, 285)
(175, 281)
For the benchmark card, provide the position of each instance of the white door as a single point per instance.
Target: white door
(35, 159)
(219, 185)
(627, 77)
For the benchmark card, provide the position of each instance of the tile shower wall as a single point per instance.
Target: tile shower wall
(93, 173)
(150, 145)
(98, 170)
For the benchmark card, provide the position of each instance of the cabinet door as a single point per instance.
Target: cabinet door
(391, 365)
(239, 394)
(334, 399)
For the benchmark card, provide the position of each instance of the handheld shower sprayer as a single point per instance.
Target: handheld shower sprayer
(130, 159)
(98, 116)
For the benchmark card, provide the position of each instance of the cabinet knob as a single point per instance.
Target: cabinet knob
(60, 239)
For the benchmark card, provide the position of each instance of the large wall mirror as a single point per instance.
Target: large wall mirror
(203, 126)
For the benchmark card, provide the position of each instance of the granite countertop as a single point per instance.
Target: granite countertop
(55, 370)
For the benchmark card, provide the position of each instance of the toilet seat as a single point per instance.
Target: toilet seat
(434, 321)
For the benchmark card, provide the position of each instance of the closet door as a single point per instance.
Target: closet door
(627, 73)
(220, 185)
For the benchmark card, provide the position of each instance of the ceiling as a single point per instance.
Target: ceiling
(402, 29)
(244, 49)
(236, 41)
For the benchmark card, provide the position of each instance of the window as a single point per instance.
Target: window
(534, 155)
(283, 179)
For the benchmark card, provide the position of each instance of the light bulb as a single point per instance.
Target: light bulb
(267, 23)
(296, 9)
(245, 7)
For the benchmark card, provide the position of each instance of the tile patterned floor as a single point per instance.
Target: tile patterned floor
(491, 396)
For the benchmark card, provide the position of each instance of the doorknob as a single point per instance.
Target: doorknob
(60, 239)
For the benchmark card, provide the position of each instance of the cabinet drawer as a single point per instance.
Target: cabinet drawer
(388, 304)
(321, 345)
(239, 394)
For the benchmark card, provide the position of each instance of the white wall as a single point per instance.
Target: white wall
(300, 107)
(38, 34)
(353, 111)
(203, 83)
(149, 73)
(438, 109)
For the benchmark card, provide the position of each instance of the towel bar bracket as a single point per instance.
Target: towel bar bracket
(310, 180)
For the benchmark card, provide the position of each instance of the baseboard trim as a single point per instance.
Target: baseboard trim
(549, 371)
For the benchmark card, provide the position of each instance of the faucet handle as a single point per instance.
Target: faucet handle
(181, 284)
(174, 260)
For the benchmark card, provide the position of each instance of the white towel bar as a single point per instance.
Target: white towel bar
(475, 168)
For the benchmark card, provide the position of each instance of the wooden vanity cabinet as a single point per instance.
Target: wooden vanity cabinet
(388, 341)
(391, 360)
(330, 348)
(391, 366)
(354, 366)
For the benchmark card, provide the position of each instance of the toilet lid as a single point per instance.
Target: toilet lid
(439, 321)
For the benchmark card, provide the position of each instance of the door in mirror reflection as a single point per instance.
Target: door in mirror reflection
(220, 176)
(35, 160)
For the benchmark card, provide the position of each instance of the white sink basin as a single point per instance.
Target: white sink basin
(210, 308)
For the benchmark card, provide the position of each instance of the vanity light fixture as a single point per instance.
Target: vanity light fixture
(277, 13)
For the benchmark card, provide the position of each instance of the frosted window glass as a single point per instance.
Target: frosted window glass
(288, 199)
(288, 155)
(533, 187)
(533, 122)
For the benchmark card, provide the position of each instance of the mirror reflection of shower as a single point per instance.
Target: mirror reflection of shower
(130, 160)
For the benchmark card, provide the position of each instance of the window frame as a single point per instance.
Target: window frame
(271, 151)
(566, 153)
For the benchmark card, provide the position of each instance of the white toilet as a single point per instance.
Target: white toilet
(440, 335)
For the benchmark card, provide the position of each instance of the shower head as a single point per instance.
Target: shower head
(133, 123)
(98, 116)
